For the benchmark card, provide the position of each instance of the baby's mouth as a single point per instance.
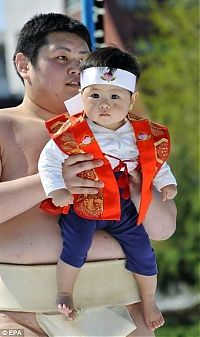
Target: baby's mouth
(104, 114)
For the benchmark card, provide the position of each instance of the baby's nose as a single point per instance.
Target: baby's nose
(104, 105)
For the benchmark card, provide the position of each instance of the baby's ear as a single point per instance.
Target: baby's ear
(134, 97)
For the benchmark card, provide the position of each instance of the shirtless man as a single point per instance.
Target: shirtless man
(47, 58)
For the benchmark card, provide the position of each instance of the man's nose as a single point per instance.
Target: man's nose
(74, 68)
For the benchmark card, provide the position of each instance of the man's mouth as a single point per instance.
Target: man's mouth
(73, 84)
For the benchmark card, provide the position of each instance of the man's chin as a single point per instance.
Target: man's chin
(71, 92)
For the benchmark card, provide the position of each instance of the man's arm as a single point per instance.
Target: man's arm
(160, 220)
(19, 195)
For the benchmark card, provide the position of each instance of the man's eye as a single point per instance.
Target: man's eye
(62, 58)
(114, 96)
(95, 95)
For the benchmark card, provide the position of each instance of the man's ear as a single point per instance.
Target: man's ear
(22, 65)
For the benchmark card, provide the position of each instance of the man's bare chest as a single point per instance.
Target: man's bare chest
(21, 149)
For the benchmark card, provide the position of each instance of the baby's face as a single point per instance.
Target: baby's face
(107, 105)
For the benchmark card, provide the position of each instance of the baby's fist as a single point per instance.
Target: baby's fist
(61, 197)
(168, 192)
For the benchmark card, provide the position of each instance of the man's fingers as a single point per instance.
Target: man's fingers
(87, 165)
(76, 158)
(81, 166)
(77, 164)
(82, 182)
(77, 185)
(84, 190)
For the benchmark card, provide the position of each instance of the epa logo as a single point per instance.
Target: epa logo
(11, 332)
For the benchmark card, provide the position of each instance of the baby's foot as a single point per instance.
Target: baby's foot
(66, 305)
(153, 316)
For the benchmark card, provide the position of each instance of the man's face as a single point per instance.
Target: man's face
(55, 77)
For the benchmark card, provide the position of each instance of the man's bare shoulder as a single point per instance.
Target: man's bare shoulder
(9, 111)
(8, 114)
(8, 118)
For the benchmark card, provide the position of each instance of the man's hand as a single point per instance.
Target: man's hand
(168, 192)
(62, 197)
(76, 164)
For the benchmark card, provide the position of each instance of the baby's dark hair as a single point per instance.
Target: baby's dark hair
(34, 33)
(112, 58)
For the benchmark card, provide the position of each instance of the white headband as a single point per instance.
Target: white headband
(100, 75)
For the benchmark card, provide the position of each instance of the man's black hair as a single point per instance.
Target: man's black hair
(34, 33)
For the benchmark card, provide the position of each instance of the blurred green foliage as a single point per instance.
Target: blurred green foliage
(179, 331)
(169, 87)
(182, 324)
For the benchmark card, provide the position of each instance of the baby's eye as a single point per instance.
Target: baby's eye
(95, 95)
(114, 96)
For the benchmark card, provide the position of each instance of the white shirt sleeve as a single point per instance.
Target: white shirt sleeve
(164, 177)
(50, 168)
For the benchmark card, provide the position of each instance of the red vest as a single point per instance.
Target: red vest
(73, 136)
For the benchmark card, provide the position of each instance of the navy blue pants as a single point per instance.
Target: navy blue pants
(77, 234)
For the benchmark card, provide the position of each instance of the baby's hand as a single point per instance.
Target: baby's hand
(168, 192)
(62, 197)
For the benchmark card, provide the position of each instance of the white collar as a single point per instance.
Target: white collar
(98, 128)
